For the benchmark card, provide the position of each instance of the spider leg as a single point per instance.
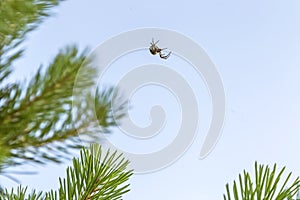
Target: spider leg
(164, 56)
(154, 43)
(160, 50)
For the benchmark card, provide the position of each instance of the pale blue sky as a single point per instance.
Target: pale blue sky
(255, 46)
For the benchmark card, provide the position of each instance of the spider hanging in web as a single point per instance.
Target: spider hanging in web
(154, 49)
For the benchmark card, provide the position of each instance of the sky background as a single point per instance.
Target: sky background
(255, 46)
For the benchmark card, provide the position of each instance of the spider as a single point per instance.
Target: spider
(155, 49)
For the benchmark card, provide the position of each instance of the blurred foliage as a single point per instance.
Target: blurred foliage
(37, 122)
(17, 18)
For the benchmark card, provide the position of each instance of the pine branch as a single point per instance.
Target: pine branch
(36, 121)
(267, 185)
(40, 115)
(17, 19)
(94, 175)
(103, 181)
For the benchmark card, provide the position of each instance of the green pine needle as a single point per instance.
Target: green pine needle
(268, 184)
(94, 175)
